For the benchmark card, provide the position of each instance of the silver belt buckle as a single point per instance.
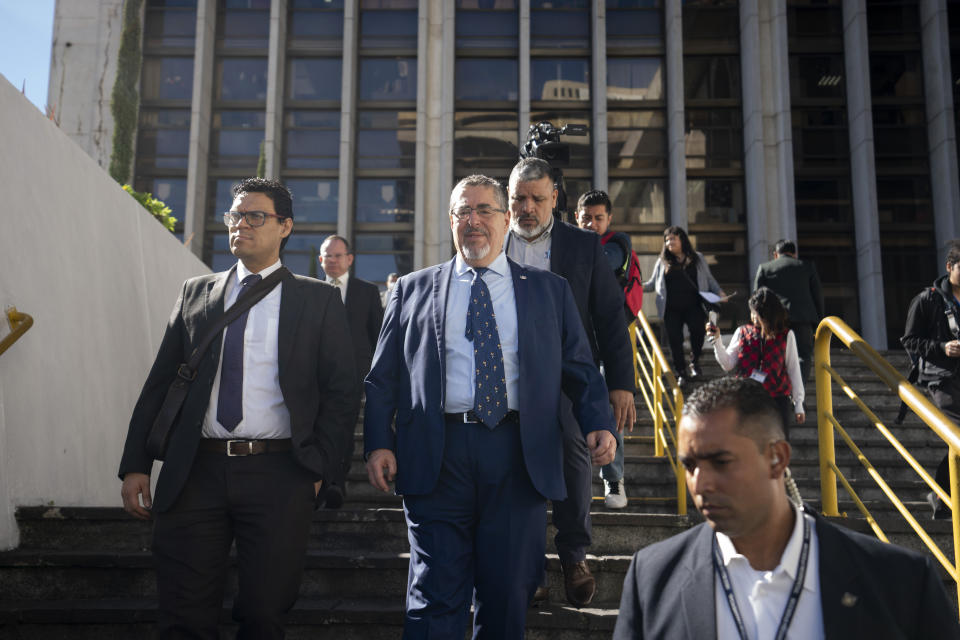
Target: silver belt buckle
(230, 452)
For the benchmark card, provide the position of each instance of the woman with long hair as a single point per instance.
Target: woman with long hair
(679, 276)
(766, 350)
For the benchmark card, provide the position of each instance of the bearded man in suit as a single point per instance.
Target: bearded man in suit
(259, 431)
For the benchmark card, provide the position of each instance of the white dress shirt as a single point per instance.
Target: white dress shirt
(458, 351)
(762, 595)
(264, 413)
(727, 359)
(533, 253)
(342, 286)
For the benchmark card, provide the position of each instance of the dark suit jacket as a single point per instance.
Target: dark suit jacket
(365, 314)
(797, 284)
(317, 379)
(407, 381)
(669, 590)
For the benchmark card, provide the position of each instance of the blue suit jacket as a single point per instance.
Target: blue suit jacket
(406, 383)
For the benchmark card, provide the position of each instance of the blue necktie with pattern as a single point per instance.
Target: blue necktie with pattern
(490, 388)
(230, 400)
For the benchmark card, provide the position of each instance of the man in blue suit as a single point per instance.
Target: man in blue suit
(462, 410)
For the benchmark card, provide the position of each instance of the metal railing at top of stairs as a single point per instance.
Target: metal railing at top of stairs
(19, 324)
(657, 382)
(914, 398)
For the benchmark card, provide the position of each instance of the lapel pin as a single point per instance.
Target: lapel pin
(523, 277)
(848, 599)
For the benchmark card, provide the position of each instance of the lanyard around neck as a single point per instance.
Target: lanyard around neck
(795, 591)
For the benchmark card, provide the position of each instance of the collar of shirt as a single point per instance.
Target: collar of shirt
(242, 272)
(499, 266)
(343, 278)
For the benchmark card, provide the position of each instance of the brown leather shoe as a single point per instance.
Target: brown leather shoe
(579, 583)
(541, 596)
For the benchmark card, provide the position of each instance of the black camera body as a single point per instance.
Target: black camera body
(543, 141)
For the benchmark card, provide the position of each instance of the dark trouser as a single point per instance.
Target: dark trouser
(785, 405)
(946, 395)
(803, 332)
(480, 534)
(673, 321)
(265, 503)
(571, 516)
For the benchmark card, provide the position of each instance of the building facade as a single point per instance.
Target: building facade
(744, 121)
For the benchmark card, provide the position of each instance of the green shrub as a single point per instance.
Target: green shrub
(157, 208)
(125, 98)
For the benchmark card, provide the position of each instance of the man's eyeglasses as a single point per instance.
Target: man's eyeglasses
(253, 218)
(484, 211)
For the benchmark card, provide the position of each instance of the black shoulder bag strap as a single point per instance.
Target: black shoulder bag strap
(159, 435)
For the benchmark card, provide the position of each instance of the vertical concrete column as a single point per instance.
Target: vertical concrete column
(201, 109)
(598, 98)
(941, 129)
(276, 87)
(753, 156)
(523, 65)
(777, 122)
(434, 165)
(350, 72)
(676, 142)
(863, 173)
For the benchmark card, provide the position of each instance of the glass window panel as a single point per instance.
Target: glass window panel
(634, 27)
(385, 200)
(893, 19)
(388, 79)
(713, 138)
(559, 79)
(904, 199)
(244, 28)
(314, 79)
(167, 78)
(815, 21)
(386, 139)
(711, 77)
(172, 191)
(309, 149)
(486, 79)
(817, 76)
(823, 200)
(236, 138)
(560, 24)
(164, 148)
(314, 200)
(485, 139)
(388, 29)
(300, 253)
(377, 256)
(222, 199)
(492, 27)
(218, 251)
(635, 79)
(716, 200)
(716, 21)
(896, 75)
(636, 140)
(316, 25)
(242, 79)
(487, 4)
(173, 27)
(639, 200)
(581, 148)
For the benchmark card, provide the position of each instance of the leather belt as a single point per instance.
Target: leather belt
(245, 447)
(469, 417)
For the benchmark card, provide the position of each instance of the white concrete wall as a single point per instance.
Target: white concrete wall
(99, 276)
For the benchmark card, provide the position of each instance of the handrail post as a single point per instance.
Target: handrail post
(828, 479)
(658, 393)
(954, 459)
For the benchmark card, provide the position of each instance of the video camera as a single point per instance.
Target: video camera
(543, 141)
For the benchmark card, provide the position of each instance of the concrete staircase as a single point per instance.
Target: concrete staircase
(86, 572)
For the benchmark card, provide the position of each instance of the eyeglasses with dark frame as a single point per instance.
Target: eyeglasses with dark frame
(253, 218)
(484, 211)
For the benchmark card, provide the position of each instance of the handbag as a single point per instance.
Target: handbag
(159, 435)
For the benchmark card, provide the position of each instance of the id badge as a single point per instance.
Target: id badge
(758, 375)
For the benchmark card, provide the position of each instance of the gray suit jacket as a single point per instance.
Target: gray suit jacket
(798, 286)
(317, 379)
(669, 590)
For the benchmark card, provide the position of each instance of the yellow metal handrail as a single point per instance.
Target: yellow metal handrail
(650, 368)
(19, 324)
(827, 422)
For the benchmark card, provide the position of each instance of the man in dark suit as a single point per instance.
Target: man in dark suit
(259, 431)
(365, 315)
(539, 240)
(461, 409)
(762, 555)
(798, 286)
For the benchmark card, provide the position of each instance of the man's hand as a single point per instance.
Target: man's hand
(952, 349)
(602, 446)
(134, 486)
(381, 468)
(624, 409)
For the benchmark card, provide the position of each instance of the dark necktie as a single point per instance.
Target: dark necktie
(490, 388)
(230, 401)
